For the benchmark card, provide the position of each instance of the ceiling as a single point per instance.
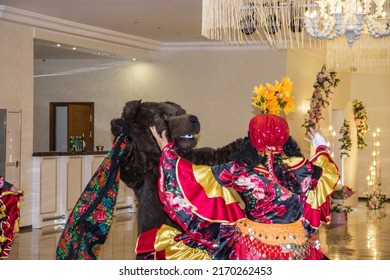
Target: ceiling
(159, 22)
(164, 21)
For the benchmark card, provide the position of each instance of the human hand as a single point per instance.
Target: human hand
(161, 140)
(315, 138)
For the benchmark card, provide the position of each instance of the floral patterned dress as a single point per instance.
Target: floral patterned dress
(231, 211)
(9, 215)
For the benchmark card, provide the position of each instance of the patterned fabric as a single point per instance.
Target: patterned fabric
(316, 210)
(89, 223)
(9, 216)
(161, 242)
(202, 200)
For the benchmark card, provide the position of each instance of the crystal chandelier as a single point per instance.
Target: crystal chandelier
(289, 24)
(333, 18)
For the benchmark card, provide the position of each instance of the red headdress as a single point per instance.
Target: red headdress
(268, 132)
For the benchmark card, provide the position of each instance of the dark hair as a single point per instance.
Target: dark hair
(291, 148)
(248, 155)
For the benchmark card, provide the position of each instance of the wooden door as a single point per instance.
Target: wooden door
(79, 122)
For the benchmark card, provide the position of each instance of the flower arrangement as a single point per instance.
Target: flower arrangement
(342, 193)
(345, 140)
(360, 115)
(375, 200)
(320, 98)
(271, 99)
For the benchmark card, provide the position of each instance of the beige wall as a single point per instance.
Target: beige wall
(214, 85)
(373, 91)
(302, 68)
(16, 93)
(79, 81)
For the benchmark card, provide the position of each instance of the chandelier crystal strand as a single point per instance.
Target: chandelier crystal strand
(329, 19)
(273, 22)
(368, 55)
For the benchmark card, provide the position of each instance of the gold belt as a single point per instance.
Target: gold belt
(274, 234)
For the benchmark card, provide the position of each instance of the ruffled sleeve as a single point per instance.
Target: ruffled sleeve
(193, 198)
(9, 219)
(316, 209)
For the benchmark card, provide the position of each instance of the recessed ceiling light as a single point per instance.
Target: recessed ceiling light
(134, 59)
(58, 45)
(74, 48)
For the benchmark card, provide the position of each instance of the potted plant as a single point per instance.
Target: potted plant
(339, 211)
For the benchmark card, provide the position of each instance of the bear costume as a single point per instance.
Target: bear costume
(139, 164)
(133, 158)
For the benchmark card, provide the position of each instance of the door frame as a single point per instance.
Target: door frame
(11, 167)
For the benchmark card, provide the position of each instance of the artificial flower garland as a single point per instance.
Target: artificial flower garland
(320, 97)
(271, 99)
(360, 115)
(345, 140)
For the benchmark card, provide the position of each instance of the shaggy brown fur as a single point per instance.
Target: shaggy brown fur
(139, 165)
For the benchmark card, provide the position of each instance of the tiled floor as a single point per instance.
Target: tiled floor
(366, 236)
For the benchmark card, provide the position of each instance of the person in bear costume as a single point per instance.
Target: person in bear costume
(134, 159)
(139, 164)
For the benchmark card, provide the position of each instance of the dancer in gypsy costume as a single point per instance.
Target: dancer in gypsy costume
(267, 203)
(9, 215)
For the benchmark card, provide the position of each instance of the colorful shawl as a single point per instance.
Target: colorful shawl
(89, 223)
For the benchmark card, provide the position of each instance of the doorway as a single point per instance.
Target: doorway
(10, 145)
(71, 120)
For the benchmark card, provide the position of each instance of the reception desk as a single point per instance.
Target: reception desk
(58, 181)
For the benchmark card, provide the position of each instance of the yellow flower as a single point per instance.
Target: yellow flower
(287, 85)
(289, 106)
(273, 107)
(271, 99)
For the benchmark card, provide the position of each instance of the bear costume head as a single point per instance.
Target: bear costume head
(142, 154)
